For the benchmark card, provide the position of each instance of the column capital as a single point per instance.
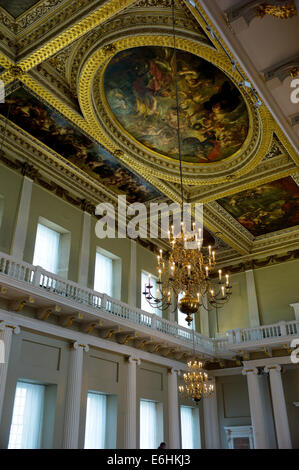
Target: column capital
(134, 360)
(76, 346)
(174, 371)
(274, 367)
(250, 371)
(6, 326)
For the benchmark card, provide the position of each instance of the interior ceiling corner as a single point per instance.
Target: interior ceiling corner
(237, 160)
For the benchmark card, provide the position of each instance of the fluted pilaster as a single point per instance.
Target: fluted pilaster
(73, 397)
(6, 332)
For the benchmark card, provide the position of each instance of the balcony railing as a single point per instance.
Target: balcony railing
(49, 282)
(44, 281)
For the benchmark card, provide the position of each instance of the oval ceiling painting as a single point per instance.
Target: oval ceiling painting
(140, 88)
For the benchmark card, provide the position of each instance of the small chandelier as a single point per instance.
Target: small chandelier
(196, 382)
(189, 272)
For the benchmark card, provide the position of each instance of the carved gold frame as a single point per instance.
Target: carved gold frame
(98, 115)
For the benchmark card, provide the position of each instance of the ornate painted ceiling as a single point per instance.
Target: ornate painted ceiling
(90, 110)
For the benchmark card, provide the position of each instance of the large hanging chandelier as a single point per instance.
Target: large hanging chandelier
(196, 382)
(188, 278)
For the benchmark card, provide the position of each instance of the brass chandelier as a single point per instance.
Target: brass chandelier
(196, 382)
(188, 278)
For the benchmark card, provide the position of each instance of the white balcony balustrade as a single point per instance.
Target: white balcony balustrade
(18, 274)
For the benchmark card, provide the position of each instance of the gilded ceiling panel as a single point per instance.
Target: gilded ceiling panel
(66, 139)
(267, 208)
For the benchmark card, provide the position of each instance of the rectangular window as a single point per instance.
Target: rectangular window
(151, 424)
(27, 420)
(144, 303)
(190, 428)
(52, 248)
(103, 276)
(46, 249)
(96, 421)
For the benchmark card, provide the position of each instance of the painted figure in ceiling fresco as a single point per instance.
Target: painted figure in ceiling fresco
(267, 208)
(140, 88)
(67, 140)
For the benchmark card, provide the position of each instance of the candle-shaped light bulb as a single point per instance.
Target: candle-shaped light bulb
(149, 280)
(227, 279)
(160, 272)
(158, 258)
(207, 271)
(213, 254)
(161, 253)
(210, 248)
(157, 294)
(212, 292)
(222, 289)
(220, 274)
(189, 270)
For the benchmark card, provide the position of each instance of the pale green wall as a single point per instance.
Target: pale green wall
(277, 286)
(234, 314)
(47, 205)
(233, 403)
(10, 188)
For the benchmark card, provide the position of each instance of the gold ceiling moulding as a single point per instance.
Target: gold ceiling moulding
(139, 157)
(103, 13)
(283, 11)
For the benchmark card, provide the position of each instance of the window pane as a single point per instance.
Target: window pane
(187, 427)
(46, 249)
(148, 424)
(26, 425)
(144, 303)
(103, 277)
(95, 430)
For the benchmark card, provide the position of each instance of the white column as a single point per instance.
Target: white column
(130, 436)
(279, 407)
(256, 408)
(20, 232)
(211, 423)
(253, 309)
(173, 411)
(204, 319)
(84, 250)
(6, 332)
(73, 397)
(296, 310)
(133, 274)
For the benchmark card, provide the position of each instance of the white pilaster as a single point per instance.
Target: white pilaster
(253, 309)
(6, 332)
(256, 408)
(20, 232)
(130, 436)
(211, 423)
(73, 397)
(173, 410)
(296, 310)
(84, 250)
(133, 274)
(204, 319)
(279, 407)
